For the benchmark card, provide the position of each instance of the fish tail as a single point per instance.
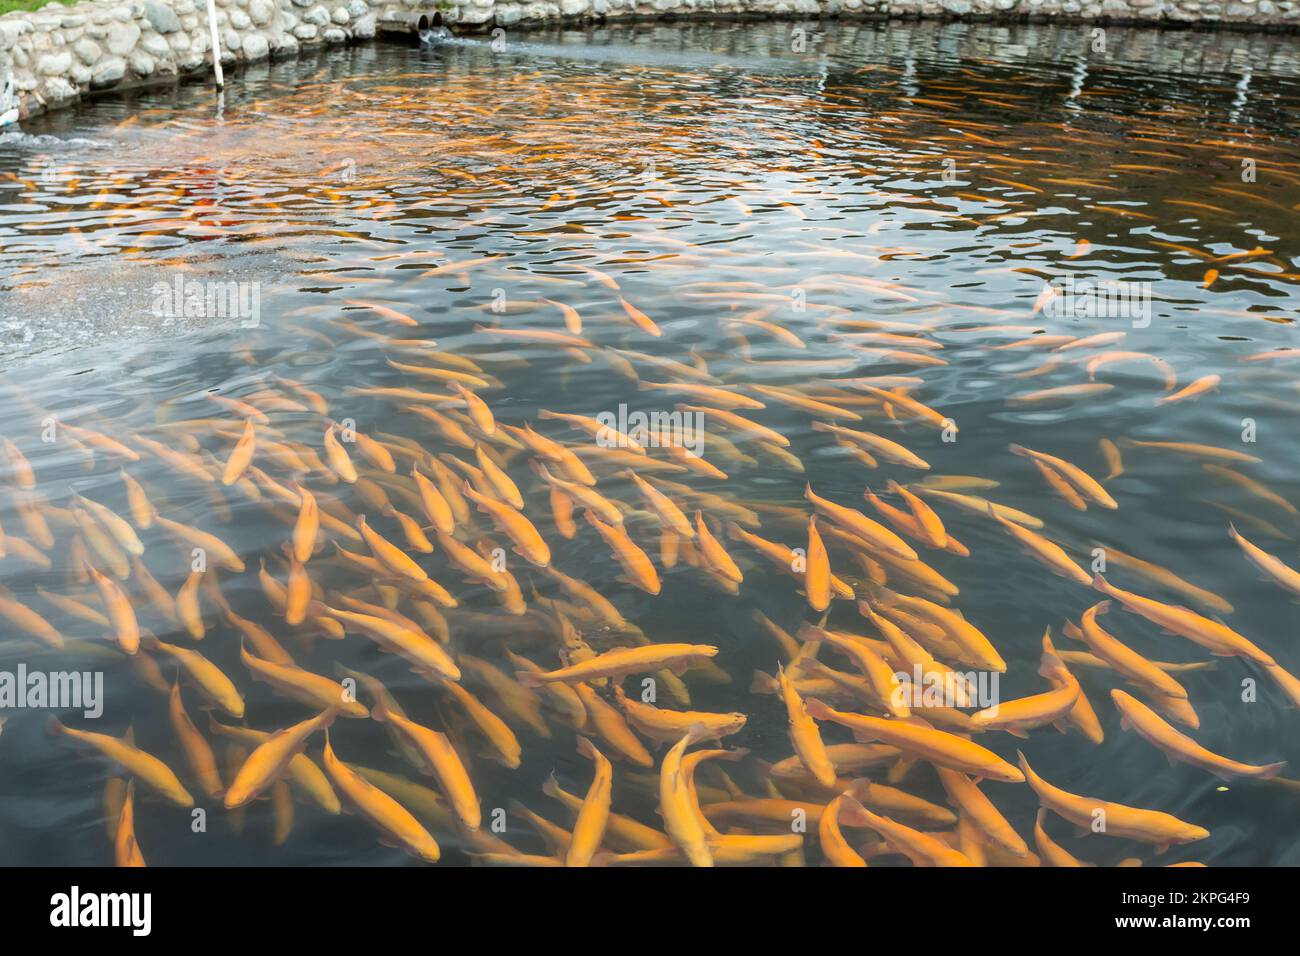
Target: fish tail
(762, 683)
(552, 786)
(853, 813)
(1050, 666)
(817, 709)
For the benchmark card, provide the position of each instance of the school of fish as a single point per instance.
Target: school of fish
(426, 516)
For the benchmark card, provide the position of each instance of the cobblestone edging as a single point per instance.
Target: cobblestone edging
(50, 57)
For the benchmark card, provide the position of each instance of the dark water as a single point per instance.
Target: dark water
(721, 178)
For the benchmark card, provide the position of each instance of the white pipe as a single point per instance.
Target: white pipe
(216, 44)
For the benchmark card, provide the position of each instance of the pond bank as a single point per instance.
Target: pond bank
(50, 58)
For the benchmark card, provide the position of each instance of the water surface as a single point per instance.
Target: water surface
(765, 197)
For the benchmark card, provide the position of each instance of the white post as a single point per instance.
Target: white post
(216, 44)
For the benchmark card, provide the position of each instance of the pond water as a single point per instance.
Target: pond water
(956, 238)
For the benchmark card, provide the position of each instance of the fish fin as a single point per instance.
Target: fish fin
(817, 709)
(1272, 770)
(852, 813)
(1016, 732)
(859, 789)
(761, 683)
(552, 786)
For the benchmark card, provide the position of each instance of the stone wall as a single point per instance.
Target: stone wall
(51, 57)
(58, 53)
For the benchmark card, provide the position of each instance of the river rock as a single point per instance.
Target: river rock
(87, 51)
(161, 17)
(190, 60)
(155, 45)
(108, 72)
(10, 31)
(54, 64)
(56, 90)
(142, 64)
(284, 45)
(256, 47)
(122, 38)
